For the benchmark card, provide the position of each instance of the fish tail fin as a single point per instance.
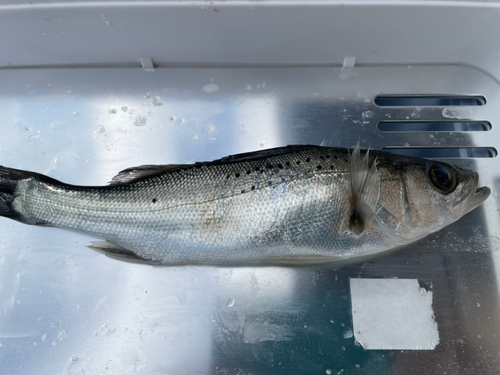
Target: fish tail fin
(9, 179)
(365, 191)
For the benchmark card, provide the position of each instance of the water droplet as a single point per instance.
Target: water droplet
(212, 79)
(366, 115)
(328, 371)
(77, 156)
(357, 366)
(157, 102)
(54, 343)
(113, 111)
(88, 159)
(124, 108)
(1, 344)
(150, 113)
(348, 334)
(264, 84)
(44, 34)
(108, 23)
(172, 118)
(249, 86)
(45, 337)
(230, 302)
(73, 358)
(147, 95)
(194, 137)
(182, 121)
(140, 121)
(40, 319)
(478, 304)
(209, 129)
(62, 335)
(459, 113)
(76, 114)
(211, 87)
(131, 111)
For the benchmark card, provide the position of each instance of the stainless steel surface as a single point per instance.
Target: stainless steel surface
(66, 309)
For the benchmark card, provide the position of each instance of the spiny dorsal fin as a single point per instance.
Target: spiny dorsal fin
(365, 191)
(135, 173)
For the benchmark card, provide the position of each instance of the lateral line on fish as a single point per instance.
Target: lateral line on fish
(159, 209)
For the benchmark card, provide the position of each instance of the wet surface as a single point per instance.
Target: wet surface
(66, 309)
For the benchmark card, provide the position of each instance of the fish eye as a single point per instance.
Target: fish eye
(442, 179)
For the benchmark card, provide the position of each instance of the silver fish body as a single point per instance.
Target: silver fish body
(290, 205)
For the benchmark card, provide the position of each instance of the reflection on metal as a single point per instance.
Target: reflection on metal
(90, 314)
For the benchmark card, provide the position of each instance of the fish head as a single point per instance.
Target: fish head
(420, 196)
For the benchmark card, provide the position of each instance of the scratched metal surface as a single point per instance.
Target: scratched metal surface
(66, 309)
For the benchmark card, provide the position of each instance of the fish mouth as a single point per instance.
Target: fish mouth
(474, 196)
(480, 195)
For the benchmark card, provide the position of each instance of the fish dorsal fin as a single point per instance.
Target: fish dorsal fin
(136, 173)
(365, 191)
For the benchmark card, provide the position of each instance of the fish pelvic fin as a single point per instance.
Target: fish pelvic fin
(365, 191)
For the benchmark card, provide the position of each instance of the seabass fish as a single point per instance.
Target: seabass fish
(296, 204)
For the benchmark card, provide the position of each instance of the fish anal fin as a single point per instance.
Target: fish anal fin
(365, 191)
(115, 251)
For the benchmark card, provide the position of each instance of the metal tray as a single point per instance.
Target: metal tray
(66, 309)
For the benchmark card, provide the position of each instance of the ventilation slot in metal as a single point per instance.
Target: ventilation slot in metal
(434, 126)
(444, 152)
(428, 101)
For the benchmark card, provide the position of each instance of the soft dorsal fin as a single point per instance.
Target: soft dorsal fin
(365, 191)
(135, 173)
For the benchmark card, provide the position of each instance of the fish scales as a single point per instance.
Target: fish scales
(303, 204)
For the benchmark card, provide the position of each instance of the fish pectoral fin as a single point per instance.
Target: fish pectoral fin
(115, 251)
(365, 191)
(136, 173)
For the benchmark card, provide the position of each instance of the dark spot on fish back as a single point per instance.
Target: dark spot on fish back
(253, 187)
(237, 175)
(248, 172)
(319, 167)
(287, 163)
(243, 191)
(298, 162)
(280, 166)
(154, 200)
(308, 160)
